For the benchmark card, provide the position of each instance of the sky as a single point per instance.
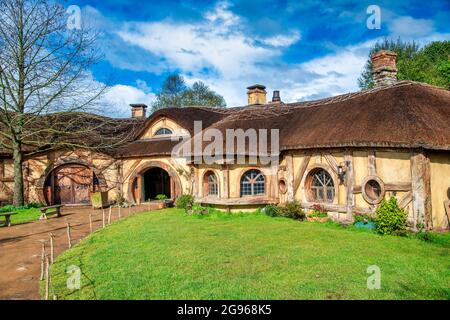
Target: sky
(306, 49)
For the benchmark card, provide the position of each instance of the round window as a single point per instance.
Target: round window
(282, 186)
(373, 190)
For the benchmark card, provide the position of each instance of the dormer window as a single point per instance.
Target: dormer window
(163, 132)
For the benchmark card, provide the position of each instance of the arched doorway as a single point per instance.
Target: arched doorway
(153, 178)
(156, 182)
(70, 184)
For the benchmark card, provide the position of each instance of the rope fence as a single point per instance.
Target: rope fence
(48, 258)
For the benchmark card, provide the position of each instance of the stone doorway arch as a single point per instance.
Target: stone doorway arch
(136, 186)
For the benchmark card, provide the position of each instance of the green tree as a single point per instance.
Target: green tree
(171, 93)
(201, 95)
(175, 93)
(429, 64)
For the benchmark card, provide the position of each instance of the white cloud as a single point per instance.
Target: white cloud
(217, 51)
(117, 100)
(283, 40)
(407, 26)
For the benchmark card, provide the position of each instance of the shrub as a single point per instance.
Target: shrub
(363, 218)
(185, 202)
(271, 210)
(200, 210)
(161, 197)
(318, 212)
(292, 210)
(390, 218)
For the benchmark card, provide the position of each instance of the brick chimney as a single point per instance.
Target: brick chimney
(384, 68)
(257, 95)
(138, 110)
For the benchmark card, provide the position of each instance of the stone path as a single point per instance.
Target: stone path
(20, 247)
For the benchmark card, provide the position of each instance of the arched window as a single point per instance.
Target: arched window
(163, 132)
(321, 186)
(210, 184)
(253, 183)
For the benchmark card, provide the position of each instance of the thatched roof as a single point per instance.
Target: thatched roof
(404, 115)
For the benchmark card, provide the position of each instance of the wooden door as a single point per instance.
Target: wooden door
(72, 185)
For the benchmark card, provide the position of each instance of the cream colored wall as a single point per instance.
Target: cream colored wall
(161, 123)
(235, 173)
(440, 185)
(131, 165)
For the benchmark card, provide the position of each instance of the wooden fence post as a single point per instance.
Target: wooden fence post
(90, 222)
(42, 261)
(68, 235)
(52, 250)
(109, 215)
(103, 217)
(47, 277)
(120, 215)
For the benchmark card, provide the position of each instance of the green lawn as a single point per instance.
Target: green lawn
(22, 216)
(168, 255)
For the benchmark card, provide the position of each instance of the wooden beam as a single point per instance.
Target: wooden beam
(290, 177)
(332, 162)
(399, 186)
(327, 206)
(405, 201)
(226, 182)
(372, 163)
(421, 189)
(301, 172)
(349, 183)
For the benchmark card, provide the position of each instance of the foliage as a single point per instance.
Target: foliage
(12, 208)
(185, 202)
(318, 211)
(24, 214)
(271, 210)
(175, 93)
(429, 64)
(249, 256)
(292, 210)
(390, 219)
(363, 218)
(197, 209)
(161, 197)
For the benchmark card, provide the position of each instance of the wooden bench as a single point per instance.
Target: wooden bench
(50, 210)
(7, 216)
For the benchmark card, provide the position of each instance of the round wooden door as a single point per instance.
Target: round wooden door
(72, 184)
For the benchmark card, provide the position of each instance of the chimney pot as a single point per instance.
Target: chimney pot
(257, 94)
(138, 111)
(384, 68)
(276, 96)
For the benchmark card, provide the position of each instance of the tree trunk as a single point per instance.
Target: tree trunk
(18, 175)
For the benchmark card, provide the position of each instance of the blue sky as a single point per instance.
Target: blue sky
(305, 49)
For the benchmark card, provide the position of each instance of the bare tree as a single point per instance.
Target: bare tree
(45, 85)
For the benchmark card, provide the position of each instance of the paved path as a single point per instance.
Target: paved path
(20, 247)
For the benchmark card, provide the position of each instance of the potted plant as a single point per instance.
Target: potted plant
(161, 198)
(318, 214)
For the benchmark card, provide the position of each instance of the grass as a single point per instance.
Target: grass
(24, 214)
(168, 255)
